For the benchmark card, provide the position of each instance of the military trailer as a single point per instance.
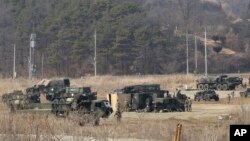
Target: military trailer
(222, 82)
(246, 93)
(135, 97)
(206, 95)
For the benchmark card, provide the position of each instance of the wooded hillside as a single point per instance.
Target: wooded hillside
(133, 36)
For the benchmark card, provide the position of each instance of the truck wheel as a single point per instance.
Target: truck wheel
(55, 106)
(208, 99)
(200, 87)
(224, 87)
(218, 87)
(206, 87)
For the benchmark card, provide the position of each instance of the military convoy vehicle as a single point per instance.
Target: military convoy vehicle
(54, 88)
(15, 100)
(144, 98)
(33, 94)
(206, 95)
(245, 93)
(82, 101)
(168, 105)
(222, 82)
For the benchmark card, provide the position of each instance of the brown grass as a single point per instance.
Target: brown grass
(44, 126)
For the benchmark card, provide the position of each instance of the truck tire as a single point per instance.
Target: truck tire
(218, 87)
(55, 103)
(206, 87)
(224, 87)
(200, 86)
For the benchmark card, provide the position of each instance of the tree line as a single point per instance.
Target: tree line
(133, 36)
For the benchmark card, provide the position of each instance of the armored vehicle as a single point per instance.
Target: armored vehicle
(245, 93)
(168, 105)
(136, 97)
(222, 82)
(82, 101)
(16, 100)
(71, 98)
(5, 97)
(206, 95)
(55, 88)
(33, 94)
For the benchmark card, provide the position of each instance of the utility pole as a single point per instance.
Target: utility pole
(195, 44)
(205, 51)
(32, 52)
(95, 53)
(187, 52)
(42, 64)
(14, 62)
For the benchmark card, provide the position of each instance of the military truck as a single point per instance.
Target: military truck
(221, 82)
(246, 93)
(54, 88)
(136, 97)
(206, 95)
(16, 100)
(33, 94)
(168, 105)
(84, 103)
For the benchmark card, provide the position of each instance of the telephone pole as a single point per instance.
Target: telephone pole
(187, 52)
(205, 51)
(195, 44)
(14, 62)
(95, 53)
(42, 64)
(31, 58)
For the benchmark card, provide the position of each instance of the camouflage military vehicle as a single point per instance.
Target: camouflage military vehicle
(54, 88)
(4, 97)
(168, 105)
(16, 100)
(82, 101)
(71, 98)
(222, 82)
(136, 97)
(206, 95)
(246, 93)
(33, 94)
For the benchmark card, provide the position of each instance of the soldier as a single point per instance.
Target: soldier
(118, 113)
(189, 104)
(126, 106)
(186, 105)
(232, 93)
(228, 98)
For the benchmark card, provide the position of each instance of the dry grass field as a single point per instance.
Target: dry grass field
(201, 124)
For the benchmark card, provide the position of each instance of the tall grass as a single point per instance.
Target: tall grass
(44, 126)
